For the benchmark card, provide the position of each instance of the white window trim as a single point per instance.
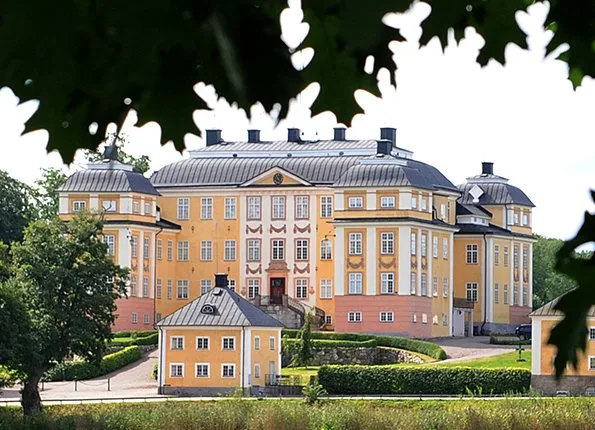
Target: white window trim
(355, 314)
(171, 343)
(232, 365)
(202, 364)
(208, 338)
(358, 202)
(223, 343)
(255, 346)
(387, 314)
(171, 365)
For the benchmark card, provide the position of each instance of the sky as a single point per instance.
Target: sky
(523, 115)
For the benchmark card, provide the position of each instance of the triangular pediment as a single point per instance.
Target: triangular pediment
(276, 176)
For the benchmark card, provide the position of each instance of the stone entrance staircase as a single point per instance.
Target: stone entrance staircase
(290, 312)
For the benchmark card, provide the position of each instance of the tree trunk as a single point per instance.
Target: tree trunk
(31, 400)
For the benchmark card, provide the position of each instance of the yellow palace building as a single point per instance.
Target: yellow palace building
(356, 231)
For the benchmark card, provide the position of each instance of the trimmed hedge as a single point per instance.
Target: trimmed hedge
(327, 343)
(80, 370)
(423, 347)
(498, 340)
(136, 333)
(422, 380)
(151, 339)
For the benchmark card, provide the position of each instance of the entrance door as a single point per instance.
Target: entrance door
(277, 290)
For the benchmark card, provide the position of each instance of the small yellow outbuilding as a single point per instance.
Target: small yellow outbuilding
(217, 344)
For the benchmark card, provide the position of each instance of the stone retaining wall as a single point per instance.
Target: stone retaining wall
(575, 385)
(366, 356)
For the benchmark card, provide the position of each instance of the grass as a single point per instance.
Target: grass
(300, 371)
(497, 361)
(237, 414)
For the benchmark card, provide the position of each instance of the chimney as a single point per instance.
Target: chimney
(213, 137)
(487, 168)
(384, 147)
(221, 280)
(339, 133)
(253, 136)
(387, 133)
(293, 135)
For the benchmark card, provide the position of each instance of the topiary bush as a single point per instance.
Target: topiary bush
(422, 380)
(423, 347)
(502, 340)
(80, 370)
(136, 333)
(151, 339)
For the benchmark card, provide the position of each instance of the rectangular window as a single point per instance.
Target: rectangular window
(472, 254)
(147, 208)
(355, 243)
(183, 250)
(525, 219)
(326, 250)
(206, 250)
(424, 284)
(413, 282)
(205, 286)
(229, 342)
(387, 243)
(158, 287)
(170, 289)
(516, 218)
(301, 288)
(176, 370)
(278, 249)
(134, 247)
(302, 207)
(78, 206)
(445, 248)
(515, 295)
(135, 207)
(413, 202)
(134, 318)
(328, 320)
(496, 255)
(424, 239)
(278, 207)
(592, 362)
(301, 249)
(257, 370)
(471, 291)
(229, 253)
(505, 294)
(206, 208)
(202, 342)
(525, 298)
(424, 318)
(228, 370)
(159, 249)
(253, 249)
(146, 249)
(445, 287)
(443, 212)
(435, 286)
(253, 207)
(356, 202)
(158, 317)
(253, 288)
(444, 320)
(414, 317)
(525, 257)
(413, 243)
(231, 284)
(202, 370)
(423, 203)
(326, 289)
(355, 283)
(271, 343)
(506, 256)
(435, 247)
(387, 283)
(110, 241)
(230, 208)
(133, 286)
(146, 319)
(591, 333)
(354, 317)
(177, 342)
(515, 258)
(145, 287)
(183, 208)
(326, 206)
(183, 289)
(387, 202)
(257, 343)
(435, 319)
(170, 250)
(387, 316)
(109, 205)
(496, 293)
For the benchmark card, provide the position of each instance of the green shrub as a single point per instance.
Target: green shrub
(421, 380)
(150, 339)
(80, 370)
(155, 370)
(423, 347)
(8, 377)
(136, 333)
(500, 340)
(328, 343)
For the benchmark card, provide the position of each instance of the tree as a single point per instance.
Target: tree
(140, 164)
(303, 353)
(46, 192)
(547, 283)
(64, 288)
(16, 208)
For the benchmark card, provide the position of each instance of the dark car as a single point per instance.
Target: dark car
(523, 331)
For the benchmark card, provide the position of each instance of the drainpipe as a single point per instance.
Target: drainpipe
(243, 355)
(485, 282)
(155, 278)
(161, 363)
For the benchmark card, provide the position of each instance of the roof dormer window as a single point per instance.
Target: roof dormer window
(78, 205)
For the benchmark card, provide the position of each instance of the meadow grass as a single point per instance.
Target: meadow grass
(232, 414)
(494, 362)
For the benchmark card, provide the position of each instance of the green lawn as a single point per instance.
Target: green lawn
(503, 360)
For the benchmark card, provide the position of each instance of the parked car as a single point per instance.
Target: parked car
(523, 331)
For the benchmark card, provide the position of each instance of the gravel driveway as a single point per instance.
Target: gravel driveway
(463, 348)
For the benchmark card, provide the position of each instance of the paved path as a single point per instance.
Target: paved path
(134, 380)
(464, 348)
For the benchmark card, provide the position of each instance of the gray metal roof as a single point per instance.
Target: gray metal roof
(231, 310)
(236, 171)
(472, 210)
(284, 145)
(107, 181)
(495, 193)
(465, 228)
(548, 309)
